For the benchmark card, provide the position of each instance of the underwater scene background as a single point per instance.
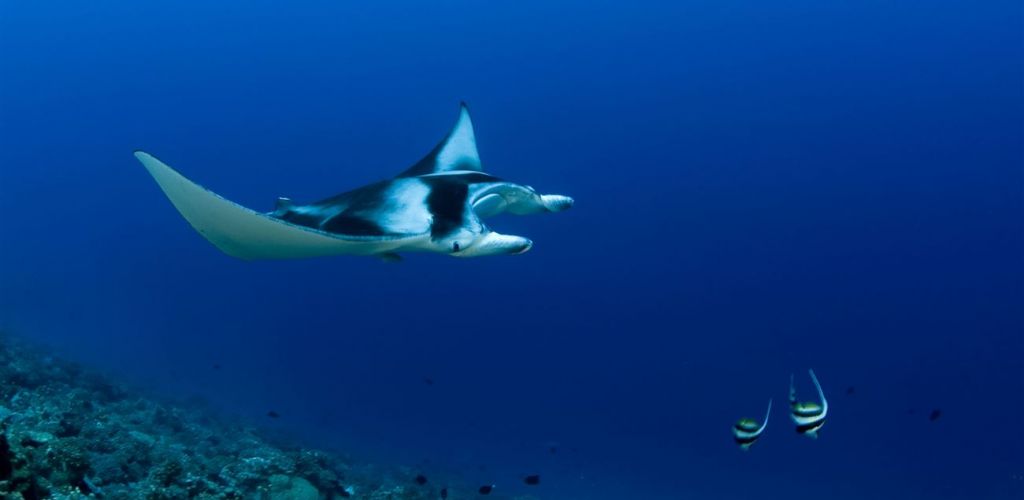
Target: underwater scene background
(761, 188)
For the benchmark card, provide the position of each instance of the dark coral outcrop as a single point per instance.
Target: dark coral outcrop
(66, 432)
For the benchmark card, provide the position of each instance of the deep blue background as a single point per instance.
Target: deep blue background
(762, 187)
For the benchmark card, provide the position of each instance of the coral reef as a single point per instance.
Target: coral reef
(66, 432)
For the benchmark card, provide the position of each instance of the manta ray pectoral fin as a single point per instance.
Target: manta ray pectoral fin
(539, 204)
(457, 151)
(518, 200)
(490, 205)
(244, 233)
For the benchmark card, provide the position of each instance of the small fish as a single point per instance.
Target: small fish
(428, 381)
(808, 416)
(273, 414)
(444, 493)
(746, 431)
(850, 391)
(421, 479)
(532, 479)
(389, 257)
(216, 366)
(486, 489)
(934, 415)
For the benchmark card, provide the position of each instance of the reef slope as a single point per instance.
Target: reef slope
(68, 432)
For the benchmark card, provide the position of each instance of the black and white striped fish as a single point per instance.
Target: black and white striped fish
(809, 416)
(746, 431)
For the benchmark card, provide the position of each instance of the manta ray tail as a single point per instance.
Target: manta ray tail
(241, 232)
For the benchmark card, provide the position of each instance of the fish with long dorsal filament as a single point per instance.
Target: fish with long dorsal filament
(747, 431)
(437, 205)
(809, 416)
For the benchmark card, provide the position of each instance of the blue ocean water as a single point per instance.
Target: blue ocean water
(761, 188)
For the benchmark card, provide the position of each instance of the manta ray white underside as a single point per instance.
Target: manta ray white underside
(248, 234)
(436, 205)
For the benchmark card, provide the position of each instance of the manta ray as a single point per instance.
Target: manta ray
(436, 205)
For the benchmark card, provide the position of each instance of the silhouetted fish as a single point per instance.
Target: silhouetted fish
(552, 446)
(850, 391)
(421, 479)
(444, 493)
(273, 414)
(216, 366)
(428, 381)
(532, 479)
(936, 413)
(486, 489)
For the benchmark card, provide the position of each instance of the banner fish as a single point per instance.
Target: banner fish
(746, 431)
(808, 415)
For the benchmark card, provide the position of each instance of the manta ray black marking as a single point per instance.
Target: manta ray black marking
(437, 205)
